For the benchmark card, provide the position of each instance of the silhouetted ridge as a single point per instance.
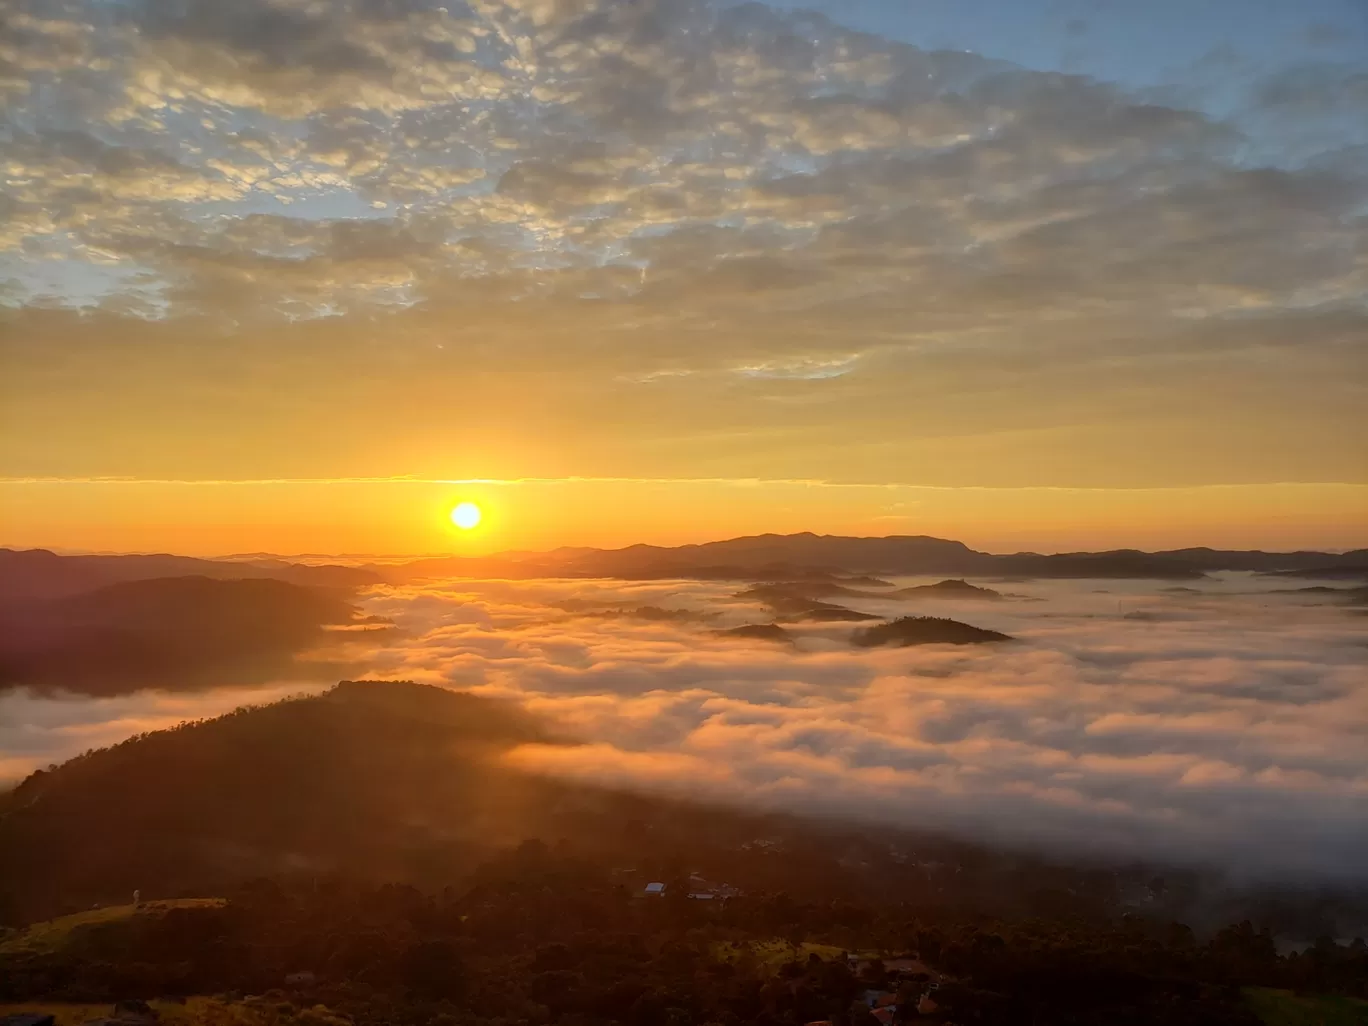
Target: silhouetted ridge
(800, 558)
(812, 559)
(180, 633)
(1338, 572)
(29, 574)
(199, 603)
(953, 589)
(796, 601)
(361, 776)
(925, 630)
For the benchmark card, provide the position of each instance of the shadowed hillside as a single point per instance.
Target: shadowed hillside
(925, 630)
(817, 562)
(386, 781)
(356, 777)
(37, 574)
(179, 633)
(955, 589)
(797, 601)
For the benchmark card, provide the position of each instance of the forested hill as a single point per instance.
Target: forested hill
(38, 574)
(174, 633)
(352, 778)
(395, 781)
(392, 781)
(376, 780)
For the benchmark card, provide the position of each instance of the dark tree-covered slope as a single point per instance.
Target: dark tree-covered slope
(926, 630)
(179, 633)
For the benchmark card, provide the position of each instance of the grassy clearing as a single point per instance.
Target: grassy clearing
(41, 938)
(1284, 1008)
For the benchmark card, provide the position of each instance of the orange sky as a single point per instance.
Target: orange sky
(406, 517)
(644, 253)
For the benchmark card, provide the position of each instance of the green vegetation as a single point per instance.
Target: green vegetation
(51, 936)
(773, 952)
(1285, 1008)
(543, 936)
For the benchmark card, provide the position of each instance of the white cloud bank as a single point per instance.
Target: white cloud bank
(37, 730)
(1227, 727)
(1230, 727)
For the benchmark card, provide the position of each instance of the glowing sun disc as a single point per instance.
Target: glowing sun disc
(466, 515)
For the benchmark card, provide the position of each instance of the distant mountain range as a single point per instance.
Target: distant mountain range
(29, 574)
(38, 573)
(795, 556)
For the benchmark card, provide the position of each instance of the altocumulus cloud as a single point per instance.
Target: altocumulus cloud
(831, 241)
(626, 142)
(1226, 728)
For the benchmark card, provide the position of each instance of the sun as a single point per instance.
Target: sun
(466, 515)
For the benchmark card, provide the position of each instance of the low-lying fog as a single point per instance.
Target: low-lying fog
(1226, 723)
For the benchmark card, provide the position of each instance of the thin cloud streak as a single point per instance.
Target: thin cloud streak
(739, 482)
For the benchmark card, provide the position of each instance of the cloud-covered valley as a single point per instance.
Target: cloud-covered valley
(1227, 724)
(1124, 720)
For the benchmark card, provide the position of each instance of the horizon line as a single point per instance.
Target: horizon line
(248, 556)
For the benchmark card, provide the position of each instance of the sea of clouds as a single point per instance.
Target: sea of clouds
(1226, 725)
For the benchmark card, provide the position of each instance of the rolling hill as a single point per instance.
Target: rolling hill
(925, 630)
(805, 558)
(37, 574)
(364, 777)
(180, 633)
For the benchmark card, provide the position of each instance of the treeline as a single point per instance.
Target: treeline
(544, 937)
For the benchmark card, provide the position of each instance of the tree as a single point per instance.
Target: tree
(432, 970)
